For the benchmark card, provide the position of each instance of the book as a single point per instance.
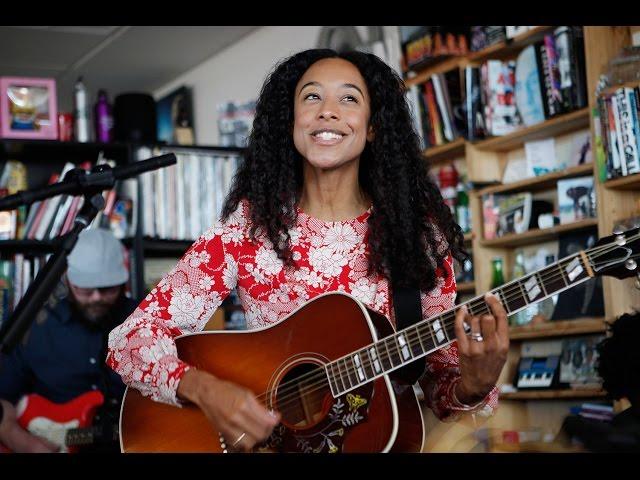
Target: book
(473, 104)
(527, 88)
(554, 75)
(576, 199)
(626, 104)
(541, 157)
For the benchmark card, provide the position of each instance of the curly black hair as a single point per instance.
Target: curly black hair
(619, 359)
(406, 203)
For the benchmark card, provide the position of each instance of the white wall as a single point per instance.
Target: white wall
(237, 73)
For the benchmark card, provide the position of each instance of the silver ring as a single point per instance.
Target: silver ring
(477, 337)
(239, 439)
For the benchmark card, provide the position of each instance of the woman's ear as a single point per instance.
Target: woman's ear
(370, 134)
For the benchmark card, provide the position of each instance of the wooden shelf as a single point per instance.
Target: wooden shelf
(541, 182)
(444, 65)
(468, 237)
(553, 394)
(509, 47)
(499, 50)
(630, 182)
(466, 287)
(537, 235)
(565, 123)
(447, 151)
(558, 328)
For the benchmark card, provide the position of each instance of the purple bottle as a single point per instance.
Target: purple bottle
(103, 118)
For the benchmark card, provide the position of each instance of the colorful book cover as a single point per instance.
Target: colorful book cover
(576, 199)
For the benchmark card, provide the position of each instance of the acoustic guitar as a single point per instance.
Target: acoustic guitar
(328, 367)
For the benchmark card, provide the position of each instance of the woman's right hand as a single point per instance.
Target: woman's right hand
(232, 409)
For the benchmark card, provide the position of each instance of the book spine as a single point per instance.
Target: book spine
(628, 134)
(613, 136)
(556, 95)
(540, 62)
(618, 131)
(433, 113)
(442, 107)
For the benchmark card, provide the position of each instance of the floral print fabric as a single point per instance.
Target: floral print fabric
(328, 256)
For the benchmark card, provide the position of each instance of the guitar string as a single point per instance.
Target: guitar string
(320, 372)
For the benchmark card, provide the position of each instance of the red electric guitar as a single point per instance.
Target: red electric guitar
(68, 425)
(325, 369)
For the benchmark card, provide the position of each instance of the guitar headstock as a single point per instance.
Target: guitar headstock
(617, 255)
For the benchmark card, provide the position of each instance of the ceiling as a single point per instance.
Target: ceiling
(119, 59)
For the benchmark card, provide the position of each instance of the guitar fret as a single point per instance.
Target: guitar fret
(359, 369)
(373, 354)
(332, 379)
(415, 346)
(351, 373)
(366, 363)
(394, 353)
(386, 359)
(404, 348)
(541, 283)
(344, 385)
(440, 333)
(551, 280)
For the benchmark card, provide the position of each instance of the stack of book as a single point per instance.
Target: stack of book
(619, 131)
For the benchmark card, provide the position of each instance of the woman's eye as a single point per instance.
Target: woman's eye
(312, 96)
(351, 98)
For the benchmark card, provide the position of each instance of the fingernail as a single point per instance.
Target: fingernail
(464, 309)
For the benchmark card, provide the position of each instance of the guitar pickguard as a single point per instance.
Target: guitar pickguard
(328, 436)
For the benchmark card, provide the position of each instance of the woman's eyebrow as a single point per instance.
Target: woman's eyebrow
(348, 85)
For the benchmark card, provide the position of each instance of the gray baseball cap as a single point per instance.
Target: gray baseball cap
(97, 260)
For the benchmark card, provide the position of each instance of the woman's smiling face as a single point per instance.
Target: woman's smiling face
(331, 114)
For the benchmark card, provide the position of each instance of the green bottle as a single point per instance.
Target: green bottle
(497, 277)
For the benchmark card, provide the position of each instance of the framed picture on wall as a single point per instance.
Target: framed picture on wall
(175, 117)
(28, 108)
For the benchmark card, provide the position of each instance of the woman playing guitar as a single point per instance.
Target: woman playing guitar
(333, 195)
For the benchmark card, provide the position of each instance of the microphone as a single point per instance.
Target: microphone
(78, 181)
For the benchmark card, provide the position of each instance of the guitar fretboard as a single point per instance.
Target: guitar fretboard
(403, 347)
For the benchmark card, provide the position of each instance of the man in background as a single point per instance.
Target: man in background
(62, 355)
(619, 367)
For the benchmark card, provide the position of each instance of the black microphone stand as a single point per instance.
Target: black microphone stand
(75, 182)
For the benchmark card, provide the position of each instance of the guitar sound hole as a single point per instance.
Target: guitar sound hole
(303, 396)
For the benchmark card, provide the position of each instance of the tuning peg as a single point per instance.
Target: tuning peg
(618, 231)
(630, 264)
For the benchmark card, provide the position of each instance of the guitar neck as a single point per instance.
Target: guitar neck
(414, 342)
(76, 437)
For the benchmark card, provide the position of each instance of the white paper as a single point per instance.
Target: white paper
(541, 157)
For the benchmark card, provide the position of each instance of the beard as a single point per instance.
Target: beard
(95, 315)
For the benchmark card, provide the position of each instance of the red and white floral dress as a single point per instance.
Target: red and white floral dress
(328, 256)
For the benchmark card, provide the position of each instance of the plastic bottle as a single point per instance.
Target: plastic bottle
(103, 118)
(81, 112)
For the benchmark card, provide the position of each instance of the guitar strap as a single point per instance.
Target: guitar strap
(408, 310)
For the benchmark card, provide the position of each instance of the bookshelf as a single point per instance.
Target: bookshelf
(554, 394)
(630, 182)
(616, 199)
(578, 326)
(44, 157)
(537, 235)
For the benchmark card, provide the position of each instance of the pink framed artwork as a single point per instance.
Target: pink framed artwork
(28, 108)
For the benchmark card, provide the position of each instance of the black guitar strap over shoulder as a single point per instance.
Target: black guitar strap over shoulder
(408, 310)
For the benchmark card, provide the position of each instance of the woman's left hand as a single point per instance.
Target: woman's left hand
(483, 353)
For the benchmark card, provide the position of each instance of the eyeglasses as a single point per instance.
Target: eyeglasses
(105, 291)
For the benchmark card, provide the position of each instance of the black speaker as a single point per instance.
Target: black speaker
(134, 118)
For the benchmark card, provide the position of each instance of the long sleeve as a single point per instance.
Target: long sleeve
(142, 349)
(14, 375)
(443, 366)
